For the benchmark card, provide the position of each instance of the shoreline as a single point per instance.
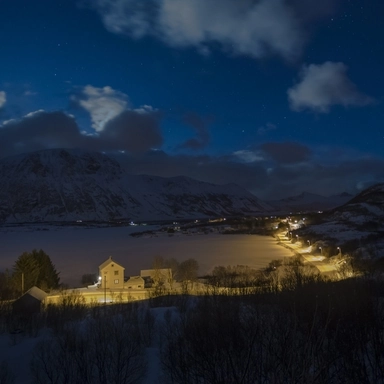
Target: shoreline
(77, 252)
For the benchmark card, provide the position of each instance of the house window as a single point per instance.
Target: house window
(116, 273)
(116, 281)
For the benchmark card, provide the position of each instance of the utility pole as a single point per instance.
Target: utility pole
(105, 290)
(22, 283)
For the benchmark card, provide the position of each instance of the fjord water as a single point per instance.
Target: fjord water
(76, 251)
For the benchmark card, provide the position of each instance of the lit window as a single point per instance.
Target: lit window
(116, 281)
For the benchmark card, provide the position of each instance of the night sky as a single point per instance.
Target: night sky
(278, 96)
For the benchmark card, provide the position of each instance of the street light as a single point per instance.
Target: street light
(321, 250)
(309, 242)
(291, 235)
(339, 250)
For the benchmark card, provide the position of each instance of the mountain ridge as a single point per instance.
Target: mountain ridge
(69, 185)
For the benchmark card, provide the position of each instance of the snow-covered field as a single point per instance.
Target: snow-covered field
(76, 251)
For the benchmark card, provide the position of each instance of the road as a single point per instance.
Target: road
(316, 260)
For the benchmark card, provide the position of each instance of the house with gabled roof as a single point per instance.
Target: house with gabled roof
(111, 274)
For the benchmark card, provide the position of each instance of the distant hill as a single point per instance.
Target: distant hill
(365, 209)
(360, 221)
(69, 185)
(309, 202)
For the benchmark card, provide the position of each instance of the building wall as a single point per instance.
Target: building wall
(158, 276)
(112, 276)
(100, 297)
(136, 282)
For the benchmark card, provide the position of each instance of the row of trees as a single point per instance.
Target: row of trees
(33, 268)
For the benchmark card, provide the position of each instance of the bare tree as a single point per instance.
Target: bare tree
(187, 273)
(106, 350)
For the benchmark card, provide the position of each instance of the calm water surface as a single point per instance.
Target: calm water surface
(76, 251)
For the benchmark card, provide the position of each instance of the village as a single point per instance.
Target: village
(113, 286)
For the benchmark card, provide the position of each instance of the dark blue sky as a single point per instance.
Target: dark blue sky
(279, 96)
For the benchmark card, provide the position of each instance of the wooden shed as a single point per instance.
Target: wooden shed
(30, 302)
(134, 282)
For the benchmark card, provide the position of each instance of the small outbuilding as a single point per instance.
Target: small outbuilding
(29, 303)
(111, 274)
(134, 282)
(154, 277)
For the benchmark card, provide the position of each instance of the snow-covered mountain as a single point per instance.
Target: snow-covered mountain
(366, 207)
(69, 185)
(359, 221)
(310, 202)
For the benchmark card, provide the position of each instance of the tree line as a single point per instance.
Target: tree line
(33, 268)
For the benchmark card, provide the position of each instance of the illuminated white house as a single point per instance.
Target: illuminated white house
(111, 274)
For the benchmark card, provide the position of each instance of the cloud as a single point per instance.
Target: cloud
(130, 131)
(273, 170)
(246, 27)
(265, 181)
(31, 114)
(199, 125)
(217, 170)
(275, 154)
(286, 153)
(103, 104)
(30, 93)
(266, 128)
(326, 179)
(248, 156)
(311, 10)
(3, 98)
(39, 130)
(322, 86)
(133, 131)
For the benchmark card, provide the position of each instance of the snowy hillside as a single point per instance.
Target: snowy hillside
(364, 210)
(310, 202)
(361, 220)
(70, 185)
